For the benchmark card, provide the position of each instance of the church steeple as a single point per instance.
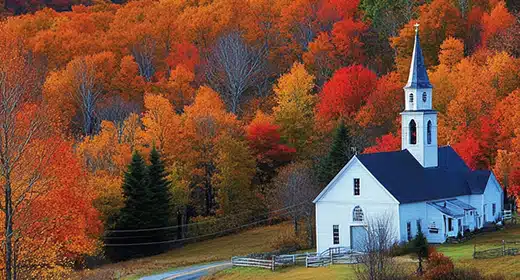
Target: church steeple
(418, 77)
(419, 120)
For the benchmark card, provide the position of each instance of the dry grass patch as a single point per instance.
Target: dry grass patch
(222, 248)
(300, 273)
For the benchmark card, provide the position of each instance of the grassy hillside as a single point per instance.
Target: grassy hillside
(223, 248)
(462, 255)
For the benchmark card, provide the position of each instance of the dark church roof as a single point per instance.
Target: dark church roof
(418, 77)
(405, 178)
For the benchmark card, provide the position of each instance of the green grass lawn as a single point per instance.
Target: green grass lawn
(462, 255)
(222, 248)
(483, 241)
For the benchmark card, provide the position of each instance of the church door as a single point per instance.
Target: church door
(358, 238)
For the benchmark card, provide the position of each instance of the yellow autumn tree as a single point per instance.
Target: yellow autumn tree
(235, 167)
(294, 111)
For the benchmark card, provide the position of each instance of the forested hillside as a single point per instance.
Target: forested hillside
(252, 105)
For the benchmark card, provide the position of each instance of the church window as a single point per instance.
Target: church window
(450, 224)
(411, 97)
(424, 97)
(335, 234)
(356, 186)
(419, 228)
(494, 208)
(413, 132)
(429, 132)
(409, 231)
(357, 214)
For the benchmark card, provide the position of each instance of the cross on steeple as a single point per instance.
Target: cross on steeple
(416, 25)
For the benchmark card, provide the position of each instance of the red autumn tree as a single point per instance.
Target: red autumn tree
(384, 104)
(265, 143)
(385, 143)
(499, 19)
(345, 93)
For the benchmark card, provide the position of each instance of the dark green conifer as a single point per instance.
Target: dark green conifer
(159, 188)
(339, 154)
(135, 213)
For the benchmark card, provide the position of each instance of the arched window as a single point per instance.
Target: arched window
(424, 97)
(413, 132)
(429, 132)
(411, 97)
(357, 214)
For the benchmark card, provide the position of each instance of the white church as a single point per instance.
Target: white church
(422, 185)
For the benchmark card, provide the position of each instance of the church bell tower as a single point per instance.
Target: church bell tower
(419, 120)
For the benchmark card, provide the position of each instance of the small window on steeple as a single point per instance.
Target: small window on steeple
(413, 132)
(429, 132)
(411, 97)
(424, 97)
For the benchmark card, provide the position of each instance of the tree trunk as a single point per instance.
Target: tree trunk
(310, 232)
(179, 225)
(8, 230)
(420, 268)
(296, 225)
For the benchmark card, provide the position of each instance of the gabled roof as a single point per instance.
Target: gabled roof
(418, 77)
(460, 204)
(405, 178)
(478, 180)
(447, 209)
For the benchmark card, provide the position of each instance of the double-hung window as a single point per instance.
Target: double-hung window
(335, 234)
(356, 186)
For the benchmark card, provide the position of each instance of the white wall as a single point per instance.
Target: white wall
(411, 212)
(493, 194)
(335, 206)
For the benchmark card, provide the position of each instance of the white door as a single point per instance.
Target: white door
(358, 238)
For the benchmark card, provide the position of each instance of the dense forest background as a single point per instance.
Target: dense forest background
(241, 98)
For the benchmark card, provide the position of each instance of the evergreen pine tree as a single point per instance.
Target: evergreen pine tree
(159, 199)
(419, 246)
(339, 154)
(135, 213)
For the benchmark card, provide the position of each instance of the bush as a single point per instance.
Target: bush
(287, 241)
(439, 267)
(400, 249)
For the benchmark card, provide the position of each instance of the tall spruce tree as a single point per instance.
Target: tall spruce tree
(135, 213)
(339, 154)
(161, 210)
(419, 246)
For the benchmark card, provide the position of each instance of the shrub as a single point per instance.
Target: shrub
(287, 241)
(400, 249)
(472, 274)
(439, 267)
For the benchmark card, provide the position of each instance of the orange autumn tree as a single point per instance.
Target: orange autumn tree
(497, 20)
(203, 123)
(37, 167)
(58, 225)
(162, 126)
(438, 20)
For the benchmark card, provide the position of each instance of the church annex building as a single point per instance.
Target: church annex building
(422, 185)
